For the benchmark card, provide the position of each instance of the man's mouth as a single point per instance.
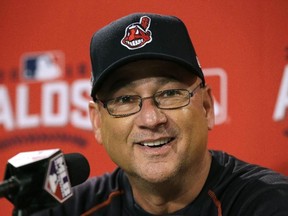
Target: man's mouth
(156, 143)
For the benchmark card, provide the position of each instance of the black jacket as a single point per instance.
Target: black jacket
(233, 188)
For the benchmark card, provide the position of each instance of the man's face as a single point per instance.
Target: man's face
(154, 144)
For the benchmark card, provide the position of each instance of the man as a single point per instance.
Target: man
(152, 111)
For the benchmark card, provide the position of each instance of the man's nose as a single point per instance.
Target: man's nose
(150, 116)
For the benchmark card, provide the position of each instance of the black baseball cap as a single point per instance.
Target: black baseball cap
(141, 36)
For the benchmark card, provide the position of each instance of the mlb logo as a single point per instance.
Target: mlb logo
(217, 79)
(57, 181)
(42, 66)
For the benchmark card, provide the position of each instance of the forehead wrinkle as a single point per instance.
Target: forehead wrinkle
(131, 74)
(133, 83)
(130, 83)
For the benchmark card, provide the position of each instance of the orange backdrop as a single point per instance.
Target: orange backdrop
(242, 46)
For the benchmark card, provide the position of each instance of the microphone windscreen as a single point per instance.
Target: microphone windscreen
(78, 168)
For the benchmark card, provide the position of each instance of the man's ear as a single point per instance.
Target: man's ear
(208, 105)
(95, 118)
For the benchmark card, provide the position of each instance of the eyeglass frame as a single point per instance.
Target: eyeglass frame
(104, 103)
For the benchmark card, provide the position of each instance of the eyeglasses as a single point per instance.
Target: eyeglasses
(169, 99)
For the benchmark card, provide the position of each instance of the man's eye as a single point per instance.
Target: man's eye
(171, 93)
(124, 99)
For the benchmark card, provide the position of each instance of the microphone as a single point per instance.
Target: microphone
(37, 180)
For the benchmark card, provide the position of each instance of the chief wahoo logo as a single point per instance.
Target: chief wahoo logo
(137, 35)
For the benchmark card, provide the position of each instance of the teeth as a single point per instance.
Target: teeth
(135, 42)
(156, 143)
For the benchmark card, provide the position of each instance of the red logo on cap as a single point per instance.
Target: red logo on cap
(137, 35)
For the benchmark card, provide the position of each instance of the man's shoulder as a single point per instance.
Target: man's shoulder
(229, 165)
(248, 187)
(103, 184)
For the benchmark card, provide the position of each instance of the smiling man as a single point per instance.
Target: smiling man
(152, 139)
(152, 111)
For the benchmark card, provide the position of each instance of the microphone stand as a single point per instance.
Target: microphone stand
(12, 189)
